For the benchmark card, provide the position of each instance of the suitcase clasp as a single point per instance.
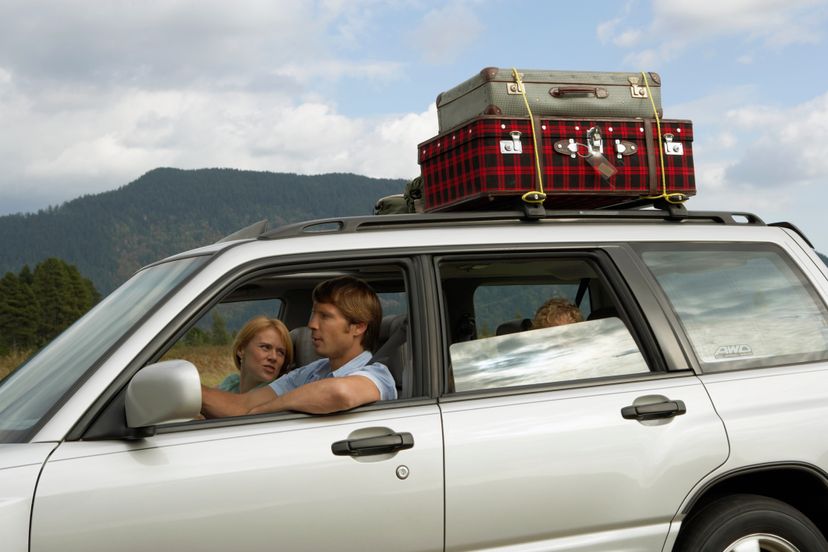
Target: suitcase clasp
(623, 147)
(514, 88)
(512, 146)
(672, 148)
(636, 89)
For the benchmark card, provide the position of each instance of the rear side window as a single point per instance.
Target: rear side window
(525, 320)
(741, 305)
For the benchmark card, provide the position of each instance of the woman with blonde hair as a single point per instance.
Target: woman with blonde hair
(262, 351)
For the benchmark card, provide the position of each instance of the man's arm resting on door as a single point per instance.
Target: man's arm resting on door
(324, 396)
(219, 404)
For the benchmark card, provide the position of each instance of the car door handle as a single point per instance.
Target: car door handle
(666, 409)
(366, 446)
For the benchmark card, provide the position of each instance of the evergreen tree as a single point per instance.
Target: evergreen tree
(81, 295)
(196, 336)
(218, 333)
(63, 296)
(26, 277)
(18, 314)
(51, 285)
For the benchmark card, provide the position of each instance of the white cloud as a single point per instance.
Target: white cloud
(606, 29)
(760, 146)
(335, 69)
(98, 97)
(786, 145)
(677, 26)
(772, 21)
(445, 33)
(628, 38)
(760, 158)
(102, 146)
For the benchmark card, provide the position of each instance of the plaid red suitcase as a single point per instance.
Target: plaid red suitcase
(490, 163)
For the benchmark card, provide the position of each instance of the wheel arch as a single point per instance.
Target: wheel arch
(803, 486)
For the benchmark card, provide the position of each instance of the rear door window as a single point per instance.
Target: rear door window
(741, 305)
(518, 321)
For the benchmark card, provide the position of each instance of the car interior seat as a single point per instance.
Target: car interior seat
(514, 326)
(303, 351)
(394, 351)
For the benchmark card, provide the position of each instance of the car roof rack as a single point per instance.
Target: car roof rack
(675, 213)
(253, 231)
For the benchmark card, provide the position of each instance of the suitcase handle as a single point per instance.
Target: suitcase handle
(561, 91)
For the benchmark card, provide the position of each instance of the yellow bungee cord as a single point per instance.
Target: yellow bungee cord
(536, 197)
(676, 198)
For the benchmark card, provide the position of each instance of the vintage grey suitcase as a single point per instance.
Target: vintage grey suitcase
(550, 93)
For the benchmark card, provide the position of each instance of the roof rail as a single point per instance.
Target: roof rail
(253, 231)
(376, 222)
(794, 228)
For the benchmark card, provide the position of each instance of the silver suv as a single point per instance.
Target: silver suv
(687, 411)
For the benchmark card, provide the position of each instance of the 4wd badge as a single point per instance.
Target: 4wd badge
(733, 351)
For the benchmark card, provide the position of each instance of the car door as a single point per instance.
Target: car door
(257, 486)
(283, 481)
(571, 437)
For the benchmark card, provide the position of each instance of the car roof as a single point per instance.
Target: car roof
(478, 227)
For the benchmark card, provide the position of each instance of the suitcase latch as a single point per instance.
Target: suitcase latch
(513, 145)
(623, 148)
(515, 88)
(636, 89)
(672, 148)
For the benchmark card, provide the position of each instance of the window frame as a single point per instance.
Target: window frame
(617, 291)
(99, 423)
(737, 364)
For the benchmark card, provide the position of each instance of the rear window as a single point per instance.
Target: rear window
(741, 305)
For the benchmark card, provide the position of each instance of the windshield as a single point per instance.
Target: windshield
(28, 394)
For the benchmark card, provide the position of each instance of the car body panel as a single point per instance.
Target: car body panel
(773, 414)
(20, 466)
(256, 486)
(563, 470)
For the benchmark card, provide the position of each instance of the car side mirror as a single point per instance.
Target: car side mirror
(167, 391)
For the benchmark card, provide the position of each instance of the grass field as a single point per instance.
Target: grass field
(11, 361)
(213, 361)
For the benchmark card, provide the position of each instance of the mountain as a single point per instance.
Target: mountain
(110, 235)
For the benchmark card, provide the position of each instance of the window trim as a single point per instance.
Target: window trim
(616, 287)
(736, 365)
(112, 400)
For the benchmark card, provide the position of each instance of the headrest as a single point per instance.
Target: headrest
(514, 326)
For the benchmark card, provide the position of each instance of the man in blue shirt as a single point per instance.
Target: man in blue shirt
(344, 325)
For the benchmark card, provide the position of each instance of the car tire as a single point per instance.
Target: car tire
(750, 522)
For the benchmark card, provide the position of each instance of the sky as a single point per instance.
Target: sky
(94, 95)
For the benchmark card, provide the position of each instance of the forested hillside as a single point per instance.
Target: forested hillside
(110, 235)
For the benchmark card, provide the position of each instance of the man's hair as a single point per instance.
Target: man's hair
(254, 326)
(356, 301)
(556, 312)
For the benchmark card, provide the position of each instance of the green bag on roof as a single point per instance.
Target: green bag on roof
(414, 195)
(391, 205)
